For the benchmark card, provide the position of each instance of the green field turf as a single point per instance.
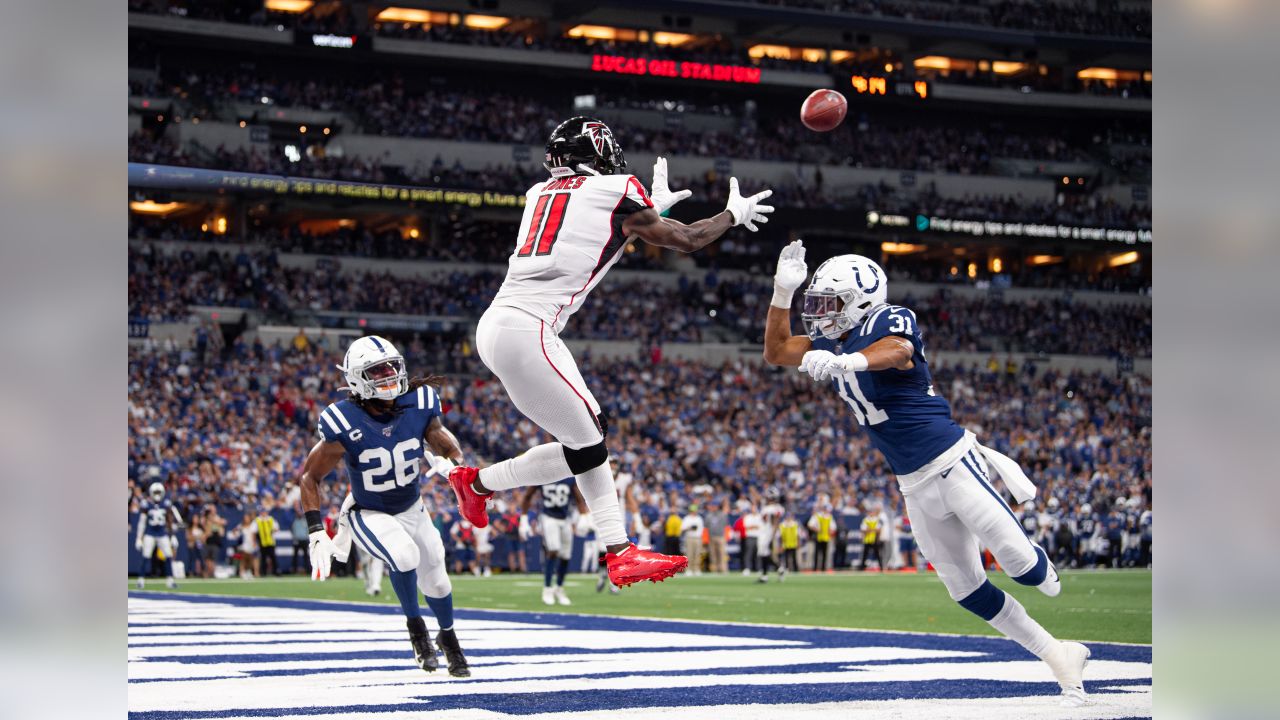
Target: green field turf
(1110, 606)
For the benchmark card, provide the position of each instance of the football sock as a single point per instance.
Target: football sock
(406, 587)
(561, 569)
(601, 497)
(442, 608)
(540, 465)
(146, 567)
(1017, 625)
(548, 567)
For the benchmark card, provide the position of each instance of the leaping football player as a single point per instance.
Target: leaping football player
(379, 430)
(873, 355)
(574, 228)
(156, 519)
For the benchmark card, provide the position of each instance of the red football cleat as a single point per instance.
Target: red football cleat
(471, 504)
(634, 565)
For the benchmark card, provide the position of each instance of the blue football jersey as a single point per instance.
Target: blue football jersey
(155, 516)
(384, 454)
(556, 497)
(905, 419)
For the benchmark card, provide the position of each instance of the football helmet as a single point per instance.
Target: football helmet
(583, 145)
(156, 491)
(374, 369)
(841, 293)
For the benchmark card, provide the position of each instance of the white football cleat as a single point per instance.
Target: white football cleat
(170, 583)
(142, 583)
(1068, 661)
(548, 596)
(561, 597)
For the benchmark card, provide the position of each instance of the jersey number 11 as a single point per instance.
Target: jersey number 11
(545, 225)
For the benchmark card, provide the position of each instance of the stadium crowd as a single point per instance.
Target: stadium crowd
(393, 108)
(226, 427)
(164, 281)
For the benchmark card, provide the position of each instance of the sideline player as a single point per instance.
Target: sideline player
(557, 534)
(157, 519)
(873, 353)
(574, 229)
(379, 430)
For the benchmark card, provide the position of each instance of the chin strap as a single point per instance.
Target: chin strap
(589, 170)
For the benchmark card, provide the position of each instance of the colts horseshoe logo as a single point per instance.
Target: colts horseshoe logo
(857, 277)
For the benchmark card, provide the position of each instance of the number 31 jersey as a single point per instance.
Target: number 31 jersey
(384, 454)
(904, 418)
(570, 235)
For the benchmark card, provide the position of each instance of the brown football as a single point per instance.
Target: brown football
(823, 110)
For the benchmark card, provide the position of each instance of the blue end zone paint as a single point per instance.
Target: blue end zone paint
(762, 689)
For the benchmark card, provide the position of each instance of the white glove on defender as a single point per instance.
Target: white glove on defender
(747, 210)
(322, 551)
(823, 365)
(662, 197)
(790, 275)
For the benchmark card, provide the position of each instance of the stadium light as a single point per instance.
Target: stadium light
(289, 6)
(787, 52)
(1044, 259)
(1098, 73)
(412, 15)
(1003, 67)
(485, 22)
(897, 248)
(933, 62)
(598, 32)
(1127, 258)
(151, 207)
(670, 39)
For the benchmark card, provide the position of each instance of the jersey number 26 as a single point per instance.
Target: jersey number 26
(395, 464)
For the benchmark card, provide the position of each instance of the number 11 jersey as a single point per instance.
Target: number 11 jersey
(570, 235)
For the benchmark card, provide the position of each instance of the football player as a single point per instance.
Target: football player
(157, 518)
(574, 229)
(873, 355)
(557, 534)
(379, 430)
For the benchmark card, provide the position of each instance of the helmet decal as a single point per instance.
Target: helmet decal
(857, 277)
(599, 134)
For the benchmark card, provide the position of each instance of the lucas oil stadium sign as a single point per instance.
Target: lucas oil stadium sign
(675, 69)
(184, 178)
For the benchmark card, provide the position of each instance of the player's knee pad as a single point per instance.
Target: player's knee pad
(1038, 572)
(584, 459)
(986, 602)
(402, 553)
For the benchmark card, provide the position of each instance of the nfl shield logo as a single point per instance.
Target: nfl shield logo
(386, 431)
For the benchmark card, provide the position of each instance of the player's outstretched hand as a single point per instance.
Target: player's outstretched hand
(747, 210)
(322, 551)
(819, 364)
(792, 269)
(663, 198)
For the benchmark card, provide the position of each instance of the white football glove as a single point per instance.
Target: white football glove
(322, 551)
(823, 365)
(747, 210)
(790, 275)
(137, 544)
(662, 197)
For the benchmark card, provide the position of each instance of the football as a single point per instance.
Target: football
(823, 110)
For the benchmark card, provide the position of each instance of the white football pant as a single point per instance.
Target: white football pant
(405, 542)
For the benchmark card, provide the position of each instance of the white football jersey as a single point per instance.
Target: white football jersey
(570, 235)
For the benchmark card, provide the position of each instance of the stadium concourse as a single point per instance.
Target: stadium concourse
(304, 173)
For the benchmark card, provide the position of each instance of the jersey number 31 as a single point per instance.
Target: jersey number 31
(404, 469)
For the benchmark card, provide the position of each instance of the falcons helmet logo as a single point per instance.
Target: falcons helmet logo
(599, 134)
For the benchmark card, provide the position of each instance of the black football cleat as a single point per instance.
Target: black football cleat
(423, 651)
(458, 666)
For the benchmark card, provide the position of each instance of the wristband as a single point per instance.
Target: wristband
(314, 523)
(782, 298)
(855, 362)
(665, 213)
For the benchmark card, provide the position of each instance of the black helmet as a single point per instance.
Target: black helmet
(583, 141)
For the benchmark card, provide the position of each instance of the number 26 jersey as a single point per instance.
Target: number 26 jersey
(384, 454)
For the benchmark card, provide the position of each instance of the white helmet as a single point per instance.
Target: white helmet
(841, 293)
(374, 369)
(156, 491)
